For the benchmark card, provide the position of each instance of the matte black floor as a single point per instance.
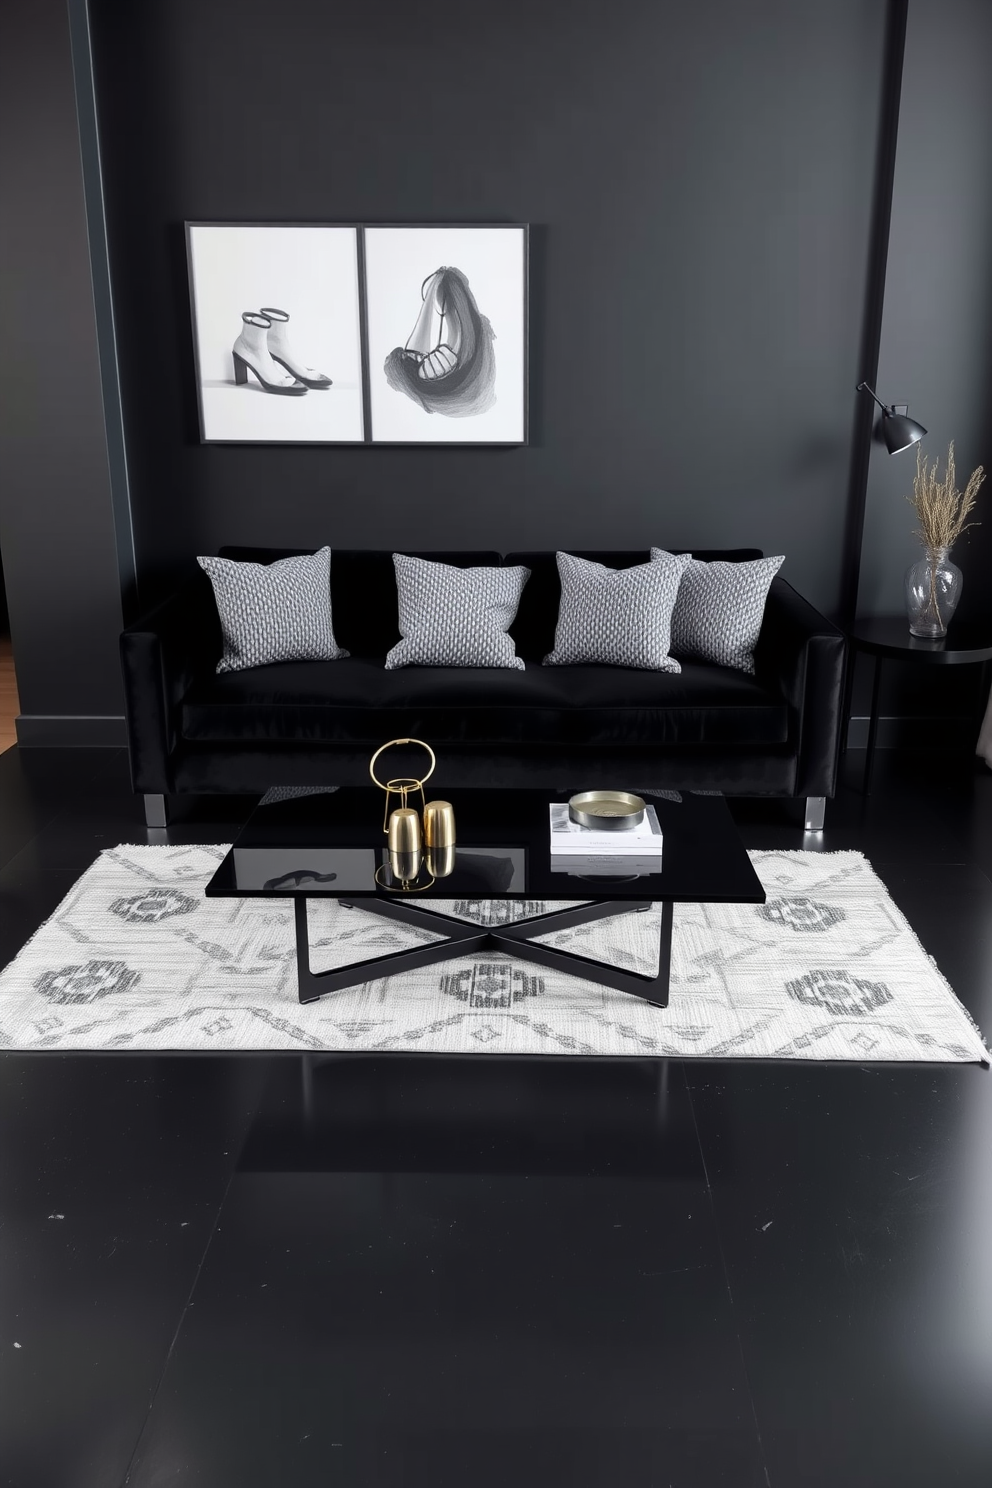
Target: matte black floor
(413, 1271)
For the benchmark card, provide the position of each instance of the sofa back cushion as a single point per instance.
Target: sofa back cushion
(534, 628)
(363, 589)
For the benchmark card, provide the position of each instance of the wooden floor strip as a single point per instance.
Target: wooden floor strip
(9, 704)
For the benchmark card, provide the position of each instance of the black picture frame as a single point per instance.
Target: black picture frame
(224, 293)
(520, 371)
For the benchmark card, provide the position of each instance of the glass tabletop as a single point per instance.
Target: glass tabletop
(331, 844)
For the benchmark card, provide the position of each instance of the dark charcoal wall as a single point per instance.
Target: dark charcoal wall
(936, 349)
(937, 325)
(56, 522)
(699, 180)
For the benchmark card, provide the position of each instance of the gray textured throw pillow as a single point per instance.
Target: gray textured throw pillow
(455, 617)
(616, 616)
(274, 611)
(719, 609)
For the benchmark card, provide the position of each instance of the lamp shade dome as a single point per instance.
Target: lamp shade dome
(899, 432)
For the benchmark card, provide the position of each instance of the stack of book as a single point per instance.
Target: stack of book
(607, 853)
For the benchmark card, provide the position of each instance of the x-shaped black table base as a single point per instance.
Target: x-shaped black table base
(461, 938)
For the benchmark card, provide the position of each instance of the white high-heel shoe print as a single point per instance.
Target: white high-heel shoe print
(281, 351)
(251, 354)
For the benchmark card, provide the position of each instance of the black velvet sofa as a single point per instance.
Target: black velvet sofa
(317, 723)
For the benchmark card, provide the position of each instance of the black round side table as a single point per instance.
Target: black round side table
(887, 638)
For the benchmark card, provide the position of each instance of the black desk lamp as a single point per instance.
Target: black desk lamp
(898, 431)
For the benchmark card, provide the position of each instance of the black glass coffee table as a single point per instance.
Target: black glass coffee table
(331, 845)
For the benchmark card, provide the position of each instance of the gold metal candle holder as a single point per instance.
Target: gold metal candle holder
(439, 824)
(404, 831)
(406, 871)
(402, 785)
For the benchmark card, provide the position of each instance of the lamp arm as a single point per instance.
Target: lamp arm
(883, 406)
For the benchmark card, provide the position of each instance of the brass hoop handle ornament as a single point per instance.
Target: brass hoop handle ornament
(414, 783)
(402, 785)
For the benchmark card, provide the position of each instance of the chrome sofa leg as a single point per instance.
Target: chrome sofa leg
(816, 810)
(156, 811)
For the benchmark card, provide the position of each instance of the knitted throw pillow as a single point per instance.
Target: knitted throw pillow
(616, 616)
(719, 609)
(455, 617)
(274, 612)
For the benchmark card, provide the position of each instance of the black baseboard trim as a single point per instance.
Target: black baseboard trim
(921, 733)
(70, 731)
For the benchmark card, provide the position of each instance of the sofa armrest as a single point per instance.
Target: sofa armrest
(162, 654)
(801, 655)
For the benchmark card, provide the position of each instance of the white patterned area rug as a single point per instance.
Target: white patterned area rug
(136, 958)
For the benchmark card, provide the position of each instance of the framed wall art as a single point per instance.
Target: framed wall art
(277, 333)
(317, 333)
(447, 334)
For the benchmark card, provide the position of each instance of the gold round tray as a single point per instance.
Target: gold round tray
(606, 810)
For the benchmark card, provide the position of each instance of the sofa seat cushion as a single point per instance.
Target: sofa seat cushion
(357, 701)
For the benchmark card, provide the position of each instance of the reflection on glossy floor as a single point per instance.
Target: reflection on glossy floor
(399, 1271)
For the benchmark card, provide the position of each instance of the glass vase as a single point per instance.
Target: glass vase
(933, 588)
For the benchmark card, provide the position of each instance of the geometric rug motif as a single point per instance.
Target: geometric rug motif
(135, 957)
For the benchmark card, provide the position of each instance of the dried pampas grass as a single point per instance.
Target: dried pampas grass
(941, 509)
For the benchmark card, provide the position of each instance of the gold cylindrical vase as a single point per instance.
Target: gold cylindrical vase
(404, 831)
(439, 824)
